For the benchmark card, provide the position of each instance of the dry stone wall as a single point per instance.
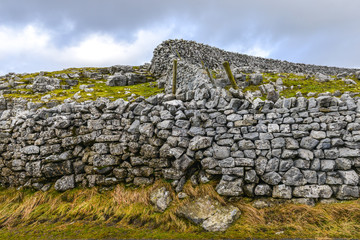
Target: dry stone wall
(294, 148)
(198, 54)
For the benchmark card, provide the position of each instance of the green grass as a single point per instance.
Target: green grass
(125, 212)
(99, 90)
(310, 85)
(293, 83)
(306, 85)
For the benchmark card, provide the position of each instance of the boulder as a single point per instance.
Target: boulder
(33, 169)
(357, 75)
(322, 78)
(142, 181)
(349, 81)
(105, 160)
(117, 80)
(347, 152)
(146, 129)
(256, 79)
(209, 213)
(44, 84)
(134, 127)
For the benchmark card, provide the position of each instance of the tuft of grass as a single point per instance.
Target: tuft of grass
(126, 212)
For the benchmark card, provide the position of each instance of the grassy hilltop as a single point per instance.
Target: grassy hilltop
(89, 88)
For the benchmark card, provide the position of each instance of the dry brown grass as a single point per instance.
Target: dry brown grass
(130, 208)
(127, 196)
(203, 190)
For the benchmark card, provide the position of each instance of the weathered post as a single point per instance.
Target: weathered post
(209, 75)
(230, 75)
(174, 76)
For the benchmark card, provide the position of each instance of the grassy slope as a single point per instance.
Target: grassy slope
(100, 89)
(127, 213)
(306, 85)
(294, 83)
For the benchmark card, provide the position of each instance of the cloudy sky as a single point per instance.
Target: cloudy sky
(48, 35)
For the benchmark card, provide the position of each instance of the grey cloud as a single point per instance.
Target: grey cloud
(319, 32)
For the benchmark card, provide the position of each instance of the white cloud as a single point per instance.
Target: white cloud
(104, 50)
(33, 48)
(258, 51)
(29, 39)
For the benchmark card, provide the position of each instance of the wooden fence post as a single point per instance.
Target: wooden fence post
(230, 75)
(209, 75)
(174, 76)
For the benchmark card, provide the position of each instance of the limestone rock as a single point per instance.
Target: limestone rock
(200, 142)
(272, 178)
(31, 150)
(346, 192)
(256, 79)
(117, 80)
(209, 213)
(51, 170)
(294, 177)
(262, 190)
(313, 191)
(65, 183)
(233, 188)
(349, 177)
(282, 191)
(309, 143)
(160, 198)
(44, 84)
(304, 201)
